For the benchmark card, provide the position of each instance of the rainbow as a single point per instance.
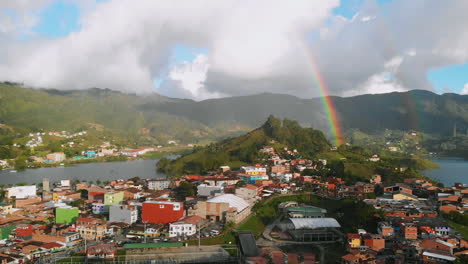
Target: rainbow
(327, 101)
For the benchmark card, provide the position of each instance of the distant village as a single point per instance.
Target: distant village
(143, 216)
(74, 140)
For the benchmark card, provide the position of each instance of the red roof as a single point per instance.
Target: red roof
(52, 245)
(353, 235)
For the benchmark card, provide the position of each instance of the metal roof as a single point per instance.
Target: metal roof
(233, 200)
(313, 223)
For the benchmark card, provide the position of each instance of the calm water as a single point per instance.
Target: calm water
(451, 170)
(90, 172)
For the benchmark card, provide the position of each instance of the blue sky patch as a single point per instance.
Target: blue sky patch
(449, 78)
(58, 19)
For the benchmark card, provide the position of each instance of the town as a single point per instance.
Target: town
(270, 212)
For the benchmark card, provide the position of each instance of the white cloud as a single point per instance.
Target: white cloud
(186, 80)
(253, 46)
(464, 91)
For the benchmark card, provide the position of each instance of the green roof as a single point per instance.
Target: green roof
(152, 245)
(305, 208)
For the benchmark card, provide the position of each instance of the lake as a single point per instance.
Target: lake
(451, 170)
(88, 171)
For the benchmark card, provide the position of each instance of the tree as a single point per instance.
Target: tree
(185, 189)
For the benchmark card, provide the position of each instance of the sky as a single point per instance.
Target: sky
(209, 48)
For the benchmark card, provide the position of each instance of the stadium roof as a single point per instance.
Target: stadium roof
(233, 200)
(313, 223)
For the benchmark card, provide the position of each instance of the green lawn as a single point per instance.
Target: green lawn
(462, 229)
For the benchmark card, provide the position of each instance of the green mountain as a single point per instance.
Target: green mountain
(414, 110)
(244, 149)
(116, 113)
(157, 119)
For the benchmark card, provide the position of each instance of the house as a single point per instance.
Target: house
(398, 188)
(123, 213)
(375, 242)
(253, 170)
(410, 231)
(113, 198)
(404, 196)
(437, 244)
(53, 246)
(376, 179)
(354, 240)
(99, 208)
(56, 157)
(21, 192)
(162, 212)
(249, 192)
(186, 226)
(90, 154)
(101, 251)
(248, 178)
(204, 190)
(6, 209)
(136, 152)
(24, 231)
(91, 228)
(159, 184)
(385, 229)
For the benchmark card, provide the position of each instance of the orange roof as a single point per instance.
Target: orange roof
(194, 219)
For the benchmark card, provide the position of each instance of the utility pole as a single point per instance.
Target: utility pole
(144, 231)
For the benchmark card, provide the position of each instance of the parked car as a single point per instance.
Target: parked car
(214, 232)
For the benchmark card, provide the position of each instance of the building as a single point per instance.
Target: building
(90, 154)
(404, 196)
(158, 184)
(91, 228)
(101, 251)
(374, 242)
(410, 231)
(311, 229)
(99, 208)
(113, 198)
(385, 229)
(249, 192)
(24, 231)
(222, 208)
(187, 226)
(21, 192)
(6, 209)
(162, 212)
(66, 215)
(305, 211)
(46, 185)
(253, 170)
(136, 152)
(251, 179)
(204, 190)
(123, 213)
(354, 240)
(56, 157)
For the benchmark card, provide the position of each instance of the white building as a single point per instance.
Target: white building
(22, 192)
(187, 226)
(254, 170)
